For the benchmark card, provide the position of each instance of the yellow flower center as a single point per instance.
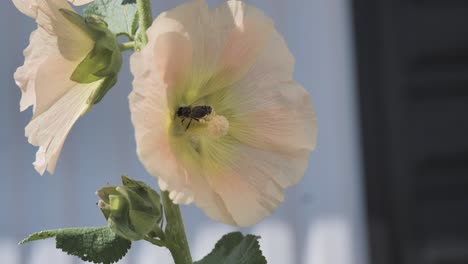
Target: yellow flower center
(188, 126)
(213, 126)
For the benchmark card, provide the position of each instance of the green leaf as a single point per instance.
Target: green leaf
(97, 244)
(118, 14)
(235, 248)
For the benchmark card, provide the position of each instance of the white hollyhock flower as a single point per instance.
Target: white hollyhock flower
(235, 161)
(55, 50)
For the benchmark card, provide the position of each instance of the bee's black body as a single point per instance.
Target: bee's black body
(193, 113)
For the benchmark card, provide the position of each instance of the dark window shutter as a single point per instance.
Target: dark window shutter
(412, 59)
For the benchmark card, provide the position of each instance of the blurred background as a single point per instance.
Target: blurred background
(387, 184)
(412, 65)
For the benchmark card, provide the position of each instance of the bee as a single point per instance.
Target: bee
(193, 113)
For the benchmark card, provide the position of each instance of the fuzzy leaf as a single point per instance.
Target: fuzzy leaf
(235, 248)
(97, 244)
(119, 15)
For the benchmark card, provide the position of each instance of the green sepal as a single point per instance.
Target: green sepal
(143, 223)
(119, 220)
(119, 206)
(106, 85)
(96, 61)
(122, 227)
(235, 248)
(94, 244)
(104, 194)
(147, 193)
(103, 61)
(137, 202)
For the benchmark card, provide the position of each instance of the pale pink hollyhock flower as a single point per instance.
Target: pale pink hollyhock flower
(56, 48)
(29, 7)
(80, 2)
(235, 162)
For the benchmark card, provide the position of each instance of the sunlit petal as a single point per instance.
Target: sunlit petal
(56, 48)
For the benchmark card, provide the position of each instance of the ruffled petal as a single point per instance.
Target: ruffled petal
(27, 7)
(41, 45)
(49, 130)
(244, 31)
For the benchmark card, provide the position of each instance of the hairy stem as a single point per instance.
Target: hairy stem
(127, 46)
(145, 20)
(176, 240)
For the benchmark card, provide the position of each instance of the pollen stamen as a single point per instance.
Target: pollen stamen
(218, 126)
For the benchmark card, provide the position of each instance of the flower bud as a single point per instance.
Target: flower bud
(132, 210)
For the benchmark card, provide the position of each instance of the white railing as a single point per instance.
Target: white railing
(330, 243)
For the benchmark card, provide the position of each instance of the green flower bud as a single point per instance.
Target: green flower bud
(103, 61)
(132, 210)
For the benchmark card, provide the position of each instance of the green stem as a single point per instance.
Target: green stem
(127, 46)
(176, 240)
(145, 20)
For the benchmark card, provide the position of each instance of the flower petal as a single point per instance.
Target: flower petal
(187, 27)
(49, 130)
(40, 47)
(225, 41)
(250, 181)
(267, 97)
(73, 43)
(52, 82)
(80, 2)
(27, 7)
(245, 32)
(172, 56)
(284, 118)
